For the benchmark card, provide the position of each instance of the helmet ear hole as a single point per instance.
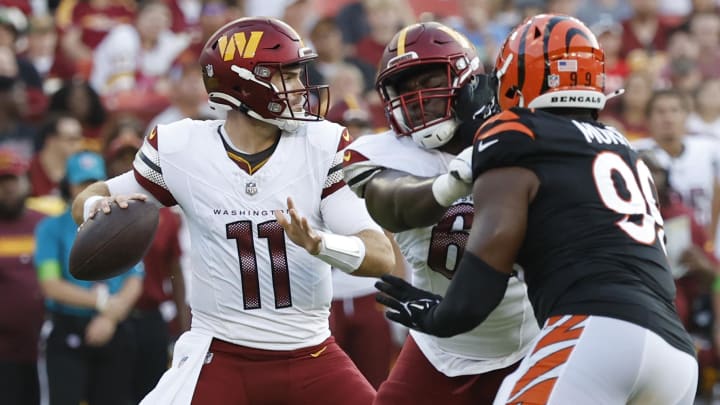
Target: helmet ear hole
(511, 92)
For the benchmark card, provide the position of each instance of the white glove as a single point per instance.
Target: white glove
(457, 183)
(461, 166)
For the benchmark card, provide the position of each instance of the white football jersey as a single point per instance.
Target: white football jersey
(692, 174)
(251, 285)
(433, 253)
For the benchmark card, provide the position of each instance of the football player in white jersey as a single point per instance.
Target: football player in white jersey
(430, 75)
(261, 270)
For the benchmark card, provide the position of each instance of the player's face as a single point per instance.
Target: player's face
(667, 119)
(290, 79)
(426, 79)
(13, 191)
(69, 137)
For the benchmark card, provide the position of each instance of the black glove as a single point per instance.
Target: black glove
(476, 100)
(407, 305)
(474, 103)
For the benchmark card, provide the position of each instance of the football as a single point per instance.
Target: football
(111, 244)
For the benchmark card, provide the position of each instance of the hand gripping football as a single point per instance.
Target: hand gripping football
(111, 244)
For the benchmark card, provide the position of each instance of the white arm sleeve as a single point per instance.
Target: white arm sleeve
(126, 184)
(344, 213)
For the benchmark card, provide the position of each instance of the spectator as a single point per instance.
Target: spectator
(645, 30)
(327, 39)
(162, 269)
(477, 24)
(706, 117)
(42, 52)
(58, 139)
(705, 29)
(90, 351)
(692, 161)
(301, 15)
(213, 15)
(353, 24)
(15, 132)
(352, 113)
(135, 58)
(681, 67)
(385, 18)
(629, 110)
(188, 98)
(20, 295)
(609, 35)
(694, 268)
(79, 100)
(592, 11)
(12, 24)
(84, 24)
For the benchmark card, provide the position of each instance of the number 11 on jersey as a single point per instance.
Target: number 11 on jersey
(242, 233)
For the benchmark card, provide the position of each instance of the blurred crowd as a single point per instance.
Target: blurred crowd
(97, 75)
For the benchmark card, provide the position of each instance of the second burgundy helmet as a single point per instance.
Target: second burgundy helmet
(420, 46)
(239, 61)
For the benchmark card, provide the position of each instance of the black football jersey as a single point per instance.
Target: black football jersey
(594, 240)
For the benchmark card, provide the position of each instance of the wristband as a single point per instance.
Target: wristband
(103, 295)
(447, 189)
(89, 203)
(345, 253)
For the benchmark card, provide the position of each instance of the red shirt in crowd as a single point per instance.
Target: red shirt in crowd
(39, 180)
(21, 299)
(164, 251)
(95, 23)
(658, 44)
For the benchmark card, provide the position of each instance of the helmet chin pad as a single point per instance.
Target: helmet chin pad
(435, 135)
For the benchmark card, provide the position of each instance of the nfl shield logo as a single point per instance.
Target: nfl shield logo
(209, 70)
(553, 81)
(251, 188)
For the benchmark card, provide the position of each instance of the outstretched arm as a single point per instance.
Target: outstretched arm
(399, 201)
(100, 196)
(502, 198)
(367, 252)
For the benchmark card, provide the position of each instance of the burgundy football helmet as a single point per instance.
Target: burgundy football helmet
(417, 48)
(239, 61)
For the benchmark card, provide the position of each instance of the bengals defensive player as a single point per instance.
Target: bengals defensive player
(569, 199)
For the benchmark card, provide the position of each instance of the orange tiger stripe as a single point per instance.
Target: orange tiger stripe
(506, 126)
(561, 333)
(537, 394)
(541, 367)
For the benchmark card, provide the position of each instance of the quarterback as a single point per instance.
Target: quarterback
(267, 208)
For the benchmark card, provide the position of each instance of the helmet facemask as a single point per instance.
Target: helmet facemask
(286, 108)
(418, 102)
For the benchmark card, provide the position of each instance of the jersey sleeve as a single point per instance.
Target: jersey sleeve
(335, 179)
(148, 171)
(504, 140)
(345, 214)
(358, 170)
(47, 250)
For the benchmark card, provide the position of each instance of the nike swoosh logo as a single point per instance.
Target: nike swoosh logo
(484, 145)
(318, 353)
